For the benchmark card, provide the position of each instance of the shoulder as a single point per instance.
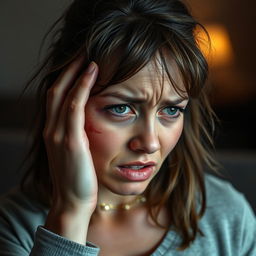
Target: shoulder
(19, 218)
(17, 203)
(229, 224)
(224, 201)
(221, 195)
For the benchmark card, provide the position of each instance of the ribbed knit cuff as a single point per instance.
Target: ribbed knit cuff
(48, 243)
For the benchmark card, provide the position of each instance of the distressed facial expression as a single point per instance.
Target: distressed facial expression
(132, 127)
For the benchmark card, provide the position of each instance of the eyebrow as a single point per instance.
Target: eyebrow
(139, 100)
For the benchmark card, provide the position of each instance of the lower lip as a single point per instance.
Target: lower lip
(136, 175)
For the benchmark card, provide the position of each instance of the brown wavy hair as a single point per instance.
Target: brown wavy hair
(122, 36)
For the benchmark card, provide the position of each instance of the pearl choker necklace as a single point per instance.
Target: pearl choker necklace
(127, 206)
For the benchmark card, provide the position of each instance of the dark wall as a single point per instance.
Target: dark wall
(23, 25)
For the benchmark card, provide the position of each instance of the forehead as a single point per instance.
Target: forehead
(153, 81)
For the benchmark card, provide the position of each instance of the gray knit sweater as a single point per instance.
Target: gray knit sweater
(229, 228)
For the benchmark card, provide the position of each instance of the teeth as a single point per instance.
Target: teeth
(136, 167)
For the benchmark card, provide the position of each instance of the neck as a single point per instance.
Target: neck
(109, 202)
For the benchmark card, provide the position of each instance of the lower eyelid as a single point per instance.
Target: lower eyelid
(174, 116)
(116, 115)
(170, 117)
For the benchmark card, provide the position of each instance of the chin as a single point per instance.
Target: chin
(128, 189)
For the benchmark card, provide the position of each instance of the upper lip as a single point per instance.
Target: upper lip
(139, 163)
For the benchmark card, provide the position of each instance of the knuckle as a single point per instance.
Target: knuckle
(56, 138)
(74, 105)
(69, 143)
(52, 138)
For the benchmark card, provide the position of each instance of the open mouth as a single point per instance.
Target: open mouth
(136, 172)
(134, 167)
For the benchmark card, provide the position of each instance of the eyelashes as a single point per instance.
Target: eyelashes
(126, 111)
(120, 110)
(172, 112)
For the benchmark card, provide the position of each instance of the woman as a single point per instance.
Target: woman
(124, 131)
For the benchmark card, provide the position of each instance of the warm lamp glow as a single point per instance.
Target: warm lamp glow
(219, 52)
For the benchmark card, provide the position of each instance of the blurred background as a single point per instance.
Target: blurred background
(231, 25)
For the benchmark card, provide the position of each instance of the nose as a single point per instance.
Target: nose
(145, 141)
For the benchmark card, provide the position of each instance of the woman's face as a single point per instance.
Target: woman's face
(132, 127)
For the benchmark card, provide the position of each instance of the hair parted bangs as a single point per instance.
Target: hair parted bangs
(122, 37)
(129, 38)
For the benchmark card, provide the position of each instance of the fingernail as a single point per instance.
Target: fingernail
(91, 67)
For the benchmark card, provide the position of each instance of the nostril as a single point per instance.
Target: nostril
(143, 144)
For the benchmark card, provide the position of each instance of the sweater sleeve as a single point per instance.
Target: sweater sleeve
(47, 243)
(22, 232)
(248, 233)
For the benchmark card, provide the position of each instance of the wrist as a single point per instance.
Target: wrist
(68, 203)
(72, 225)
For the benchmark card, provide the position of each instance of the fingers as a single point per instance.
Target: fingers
(66, 101)
(71, 116)
(56, 94)
(77, 99)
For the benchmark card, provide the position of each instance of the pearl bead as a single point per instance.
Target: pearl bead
(105, 207)
(127, 207)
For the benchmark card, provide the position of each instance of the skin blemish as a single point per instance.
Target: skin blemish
(91, 129)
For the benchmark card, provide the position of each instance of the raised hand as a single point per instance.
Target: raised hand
(70, 162)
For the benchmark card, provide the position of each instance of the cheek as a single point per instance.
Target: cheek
(104, 141)
(171, 137)
(91, 129)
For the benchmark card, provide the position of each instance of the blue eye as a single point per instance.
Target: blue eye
(120, 110)
(171, 112)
